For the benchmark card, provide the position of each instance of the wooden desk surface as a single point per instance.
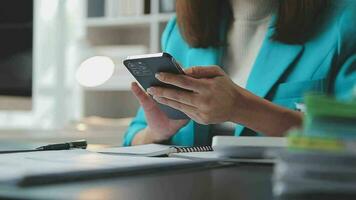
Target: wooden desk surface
(239, 182)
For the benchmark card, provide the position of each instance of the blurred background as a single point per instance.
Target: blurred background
(43, 42)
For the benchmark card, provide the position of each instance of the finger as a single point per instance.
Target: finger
(188, 110)
(204, 72)
(144, 99)
(178, 95)
(181, 81)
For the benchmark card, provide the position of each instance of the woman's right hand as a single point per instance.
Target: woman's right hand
(160, 127)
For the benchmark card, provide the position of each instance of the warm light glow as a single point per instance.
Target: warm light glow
(81, 127)
(95, 71)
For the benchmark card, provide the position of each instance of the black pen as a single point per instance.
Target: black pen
(80, 144)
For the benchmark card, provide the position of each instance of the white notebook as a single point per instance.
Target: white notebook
(153, 150)
(222, 147)
(247, 147)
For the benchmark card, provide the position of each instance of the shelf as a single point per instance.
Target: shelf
(98, 22)
(165, 17)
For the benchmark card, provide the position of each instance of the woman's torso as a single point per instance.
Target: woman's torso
(245, 37)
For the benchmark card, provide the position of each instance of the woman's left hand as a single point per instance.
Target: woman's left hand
(209, 97)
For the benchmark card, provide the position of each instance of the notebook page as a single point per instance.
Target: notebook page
(141, 150)
(216, 156)
(18, 165)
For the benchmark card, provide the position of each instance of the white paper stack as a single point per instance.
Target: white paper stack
(305, 174)
(320, 162)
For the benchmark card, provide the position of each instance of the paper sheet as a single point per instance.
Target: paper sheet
(211, 155)
(16, 166)
(137, 150)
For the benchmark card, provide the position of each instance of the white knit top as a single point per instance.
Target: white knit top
(245, 38)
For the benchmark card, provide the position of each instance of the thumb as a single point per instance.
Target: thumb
(204, 72)
(145, 100)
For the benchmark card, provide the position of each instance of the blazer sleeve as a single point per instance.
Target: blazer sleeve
(345, 81)
(139, 122)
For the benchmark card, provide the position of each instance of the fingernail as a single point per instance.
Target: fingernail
(157, 75)
(133, 86)
(150, 90)
(155, 98)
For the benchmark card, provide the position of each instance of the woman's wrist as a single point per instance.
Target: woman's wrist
(263, 116)
(141, 138)
(240, 111)
(146, 136)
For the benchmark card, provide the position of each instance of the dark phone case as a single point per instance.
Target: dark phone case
(144, 71)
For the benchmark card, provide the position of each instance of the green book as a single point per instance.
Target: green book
(330, 116)
(325, 106)
(301, 142)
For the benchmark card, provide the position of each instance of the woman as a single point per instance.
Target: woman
(259, 58)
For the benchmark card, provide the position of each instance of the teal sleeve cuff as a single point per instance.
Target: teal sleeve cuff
(137, 124)
(131, 133)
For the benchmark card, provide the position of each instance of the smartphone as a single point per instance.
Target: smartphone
(144, 67)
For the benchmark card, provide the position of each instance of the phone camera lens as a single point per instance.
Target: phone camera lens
(139, 68)
(136, 72)
(130, 64)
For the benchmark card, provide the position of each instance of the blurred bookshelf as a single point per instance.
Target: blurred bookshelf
(101, 22)
(65, 33)
(119, 28)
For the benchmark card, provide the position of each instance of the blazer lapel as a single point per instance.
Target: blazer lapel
(273, 60)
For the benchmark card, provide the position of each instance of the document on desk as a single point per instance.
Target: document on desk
(20, 167)
(159, 150)
(153, 150)
(148, 150)
(215, 156)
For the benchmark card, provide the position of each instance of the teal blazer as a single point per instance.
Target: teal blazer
(282, 73)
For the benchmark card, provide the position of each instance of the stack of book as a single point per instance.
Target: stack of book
(167, 6)
(117, 8)
(320, 162)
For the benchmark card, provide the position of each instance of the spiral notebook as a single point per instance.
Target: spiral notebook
(154, 150)
(222, 146)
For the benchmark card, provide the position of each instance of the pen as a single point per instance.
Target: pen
(80, 144)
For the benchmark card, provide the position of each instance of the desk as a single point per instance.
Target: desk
(239, 182)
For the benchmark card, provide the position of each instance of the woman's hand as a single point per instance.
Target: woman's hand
(160, 127)
(212, 96)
